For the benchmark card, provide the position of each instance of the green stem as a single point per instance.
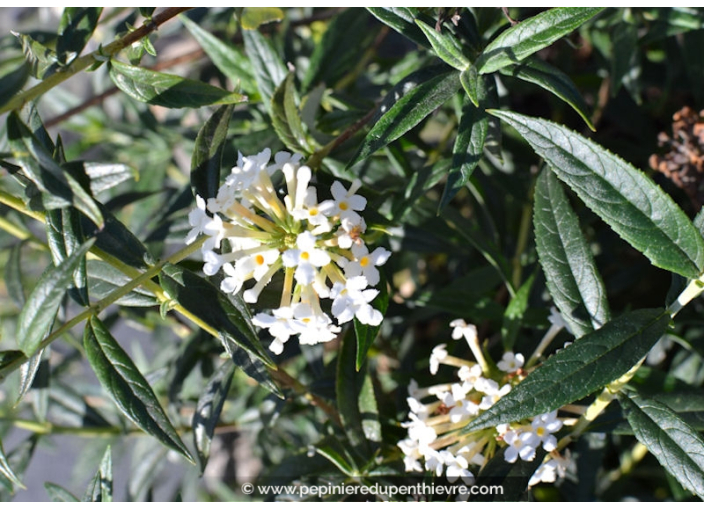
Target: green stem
(86, 61)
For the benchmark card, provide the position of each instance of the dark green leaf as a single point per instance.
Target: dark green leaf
(286, 118)
(567, 262)
(28, 371)
(206, 302)
(18, 459)
(43, 61)
(367, 334)
(13, 75)
(105, 279)
(535, 70)
(10, 361)
(401, 19)
(676, 445)
(408, 112)
(208, 409)
(99, 489)
(446, 46)
(168, 90)
(104, 176)
(512, 478)
(578, 370)
(64, 235)
(625, 51)
(335, 452)
(531, 35)
(469, 144)
(337, 53)
(269, 70)
(250, 365)
(635, 207)
(38, 314)
(671, 21)
(226, 57)
(58, 494)
(207, 154)
(116, 240)
(49, 177)
(6, 470)
(513, 315)
(13, 276)
(253, 17)
(469, 78)
(126, 385)
(75, 29)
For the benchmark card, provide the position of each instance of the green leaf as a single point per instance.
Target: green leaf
(99, 490)
(514, 314)
(206, 302)
(75, 30)
(572, 276)
(42, 61)
(513, 478)
(18, 459)
(408, 112)
(469, 144)
(625, 53)
(535, 70)
(13, 276)
(208, 409)
(6, 470)
(469, 78)
(337, 53)
(28, 371)
(269, 70)
(10, 361)
(253, 17)
(356, 401)
(207, 154)
(38, 314)
(580, 369)
(446, 46)
(226, 57)
(116, 240)
(251, 365)
(401, 19)
(104, 176)
(14, 73)
(64, 235)
(127, 386)
(39, 166)
(531, 35)
(367, 334)
(168, 90)
(58, 494)
(335, 452)
(635, 207)
(676, 445)
(286, 118)
(105, 279)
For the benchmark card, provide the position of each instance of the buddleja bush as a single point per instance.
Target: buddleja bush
(363, 241)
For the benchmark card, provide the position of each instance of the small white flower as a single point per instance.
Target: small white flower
(492, 398)
(470, 376)
(198, 219)
(344, 203)
(305, 258)
(520, 444)
(463, 409)
(510, 362)
(462, 329)
(365, 263)
(351, 300)
(350, 231)
(544, 426)
(546, 473)
(313, 327)
(280, 326)
(439, 353)
(456, 467)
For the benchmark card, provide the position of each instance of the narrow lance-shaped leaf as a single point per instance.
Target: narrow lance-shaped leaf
(206, 302)
(75, 29)
(572, 276)
(531, 35)
(39, 166)
(401, 19)
(13, 276)
(514, 314)
(42, 60)
(365, 333)
(58, 494)
(99, 489)
(207, 154)
(250, 365)
(105, 279)
(580, 369)
(208, 409)
(676, 445)
(286, 118)
(6, 470)
(38, 313)
(64, 234)
(104, 176)
(446, 46)
(408, 112)
(625, 198)
(168, 90)
(535, 70)
(269, 70)
(127, 386)
(226, 57)
(14, 73)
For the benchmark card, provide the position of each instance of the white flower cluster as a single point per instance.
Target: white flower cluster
(318, 245)
(438, 414)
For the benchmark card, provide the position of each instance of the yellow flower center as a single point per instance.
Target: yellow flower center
(364, 261)
(259, 259)
(305, 255)
(313, 211)
(540, 431)
(306, 320)
(344, 206)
